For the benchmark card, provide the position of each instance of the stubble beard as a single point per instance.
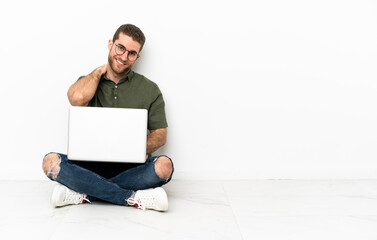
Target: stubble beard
(121, 73)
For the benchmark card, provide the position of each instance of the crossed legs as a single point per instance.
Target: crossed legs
(51, 166)
(155, 172)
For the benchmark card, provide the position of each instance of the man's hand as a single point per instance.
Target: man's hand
(82, 91)
(156, 139)
(102, 69)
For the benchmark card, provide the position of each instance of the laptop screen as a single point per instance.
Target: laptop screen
(107, 134)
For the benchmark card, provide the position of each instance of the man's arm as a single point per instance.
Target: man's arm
(82, 91)
(156, 139)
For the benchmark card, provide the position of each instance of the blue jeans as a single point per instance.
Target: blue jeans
(114, 190)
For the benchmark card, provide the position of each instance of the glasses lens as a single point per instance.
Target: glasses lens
(132, 56)
(119, 49)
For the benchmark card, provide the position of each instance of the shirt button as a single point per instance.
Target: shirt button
(115, 97)
(116, 86)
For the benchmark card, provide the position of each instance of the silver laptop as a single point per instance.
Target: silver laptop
(107, 134)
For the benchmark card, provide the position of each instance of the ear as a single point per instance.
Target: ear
(110, 44)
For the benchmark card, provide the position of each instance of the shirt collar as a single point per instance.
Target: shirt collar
(126, 78)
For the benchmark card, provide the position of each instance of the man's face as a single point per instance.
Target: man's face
(120, 64)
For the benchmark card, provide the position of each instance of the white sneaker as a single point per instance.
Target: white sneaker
(155, 199)
(62, 196)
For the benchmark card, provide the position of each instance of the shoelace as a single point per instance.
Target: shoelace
(136, 203)
(147, 202)
(76, 198)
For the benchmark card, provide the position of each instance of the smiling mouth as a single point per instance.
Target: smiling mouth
(120, 62)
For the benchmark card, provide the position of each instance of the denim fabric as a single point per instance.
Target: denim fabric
(114, 190)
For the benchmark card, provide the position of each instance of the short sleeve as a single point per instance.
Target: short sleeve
(156, 112)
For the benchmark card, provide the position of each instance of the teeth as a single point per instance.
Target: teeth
(120, 62)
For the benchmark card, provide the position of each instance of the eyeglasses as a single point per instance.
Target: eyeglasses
(120, 50)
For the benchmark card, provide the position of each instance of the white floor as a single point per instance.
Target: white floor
(256, 209)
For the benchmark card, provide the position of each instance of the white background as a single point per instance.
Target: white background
(254, 89)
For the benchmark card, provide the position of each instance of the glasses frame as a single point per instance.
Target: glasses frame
(117, 46)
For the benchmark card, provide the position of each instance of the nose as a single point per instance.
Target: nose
(124, 56)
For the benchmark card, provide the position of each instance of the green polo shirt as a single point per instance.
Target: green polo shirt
(133, 91)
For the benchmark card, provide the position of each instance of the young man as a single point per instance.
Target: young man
(116, 85)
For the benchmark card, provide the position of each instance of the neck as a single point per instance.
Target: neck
(115, 77)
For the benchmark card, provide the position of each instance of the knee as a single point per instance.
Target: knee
(51, 165)
(163, 167)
